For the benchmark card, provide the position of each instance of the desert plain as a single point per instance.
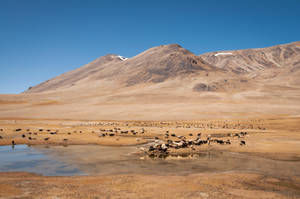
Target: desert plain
(208, 126)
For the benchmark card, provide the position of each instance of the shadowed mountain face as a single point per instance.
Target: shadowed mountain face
(169, 82)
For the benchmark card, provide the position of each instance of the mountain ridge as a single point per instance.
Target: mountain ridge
(153, 65)
(166, 82)
(252, 60)
(164, 62)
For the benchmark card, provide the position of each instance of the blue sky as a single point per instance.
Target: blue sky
(40, 39)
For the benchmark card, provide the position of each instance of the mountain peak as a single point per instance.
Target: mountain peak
(168, 62)
(171, 46)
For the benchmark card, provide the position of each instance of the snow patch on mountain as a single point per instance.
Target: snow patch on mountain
(122, 58)
(217, 54)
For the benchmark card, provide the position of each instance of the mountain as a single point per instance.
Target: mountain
(168, 82)
(256, 60)
(154, 65)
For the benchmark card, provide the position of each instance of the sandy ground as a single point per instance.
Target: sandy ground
(224, 185)
(276, 138)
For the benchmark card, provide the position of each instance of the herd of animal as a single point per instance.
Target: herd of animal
(115, 131)
(31, 135)
(158, 146)
(258, 124)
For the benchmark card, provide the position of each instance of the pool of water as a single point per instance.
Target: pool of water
(30, 159)
(95, 159)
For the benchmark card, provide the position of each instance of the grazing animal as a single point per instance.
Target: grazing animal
(190, 134)
(142, 149)
(242, 142)
(69, 133)
(173, 135)
(29, 138)
(243, 133)
(46, 139)
(151, 148)
(65, 140)
(23, 136)
(220, 141)
(18, 129)
(164, 148)
(40, 129)
(169, 141)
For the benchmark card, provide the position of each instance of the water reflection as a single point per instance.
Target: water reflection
(26, 158)
(95, 159)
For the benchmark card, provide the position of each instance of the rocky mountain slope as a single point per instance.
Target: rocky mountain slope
(169, 82)
(256, 60)
(154, 65)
